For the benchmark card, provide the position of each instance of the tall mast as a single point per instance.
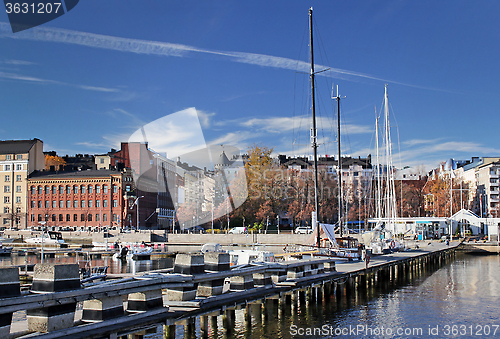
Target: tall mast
(314, 137)
(390, 186)
(339, 173)
(378, 200)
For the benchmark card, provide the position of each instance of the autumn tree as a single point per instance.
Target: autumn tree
(53, 162)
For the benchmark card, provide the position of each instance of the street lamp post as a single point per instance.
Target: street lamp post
(43, 233)
(137, 212)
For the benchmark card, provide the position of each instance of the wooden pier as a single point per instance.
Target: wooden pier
(280, 286)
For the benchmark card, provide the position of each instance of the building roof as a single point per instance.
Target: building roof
(73, 175)
(17, 146)
(223, 160)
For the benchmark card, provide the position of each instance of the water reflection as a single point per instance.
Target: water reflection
(463, 293)
(115, 266)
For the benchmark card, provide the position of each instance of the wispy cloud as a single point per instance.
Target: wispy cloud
(284, 124)
(98, 89)
(179, 50)
(20, 77)
(19, 62)
(205, 118)
(32, 79)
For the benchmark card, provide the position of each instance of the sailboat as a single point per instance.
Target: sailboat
(381, 240)
(324, 234)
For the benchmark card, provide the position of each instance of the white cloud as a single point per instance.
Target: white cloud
(205, 118)
(19, 62)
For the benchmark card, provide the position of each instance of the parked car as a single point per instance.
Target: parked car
(238, 230)
(303, 230)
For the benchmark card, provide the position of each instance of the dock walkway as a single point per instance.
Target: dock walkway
(293, 281)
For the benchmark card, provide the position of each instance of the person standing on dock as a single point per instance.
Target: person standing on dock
(367, 258)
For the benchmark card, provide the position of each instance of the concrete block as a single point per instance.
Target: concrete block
(241, 283)
(295, 272)
(102, 309)
(144, 301)
(189, 264)
(181, 293)
(55, 278)
(216, 262)
(9, 288)
(210, 288)
(262, 279)
(49, 278)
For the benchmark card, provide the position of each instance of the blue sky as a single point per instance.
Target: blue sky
(88, 80)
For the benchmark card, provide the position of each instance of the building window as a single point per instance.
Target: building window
(89, 217)
(61, 190)
(19, 167)
(6, 200)
(19, 157)
(115, 217)
(39, 217)
(33, 203)
(61, 217)
(7, 167)
(68, 203)
(75, 217)
(97, 189)
(75, 189)
(82, 217)
(83, 189)
(7, 178)
(18, 200)
(98, 203)
(6, 189)
(68, 190)
(61, 203)
(18, 177)
(47, 190)
(115, 189)
(75, 204)
(18, 209)
(53, 217)
(6, 221)
(105, 188)
(68, 217)
(104, 203)
(54, 189)
(39, 204)
(91, 189)
(83, 203)
(32, 217)
(90, 203)
(127, 188)
(47, 204)
(33, 190)
(18, 189)
(97, 217)
(102, 160)
(8, 157)
(115, 203)
(6, 210)
(104, 217)
(54, 203)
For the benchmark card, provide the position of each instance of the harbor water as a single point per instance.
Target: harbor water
(460, 300)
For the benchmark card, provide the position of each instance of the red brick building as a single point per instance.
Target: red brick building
(92, 198)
